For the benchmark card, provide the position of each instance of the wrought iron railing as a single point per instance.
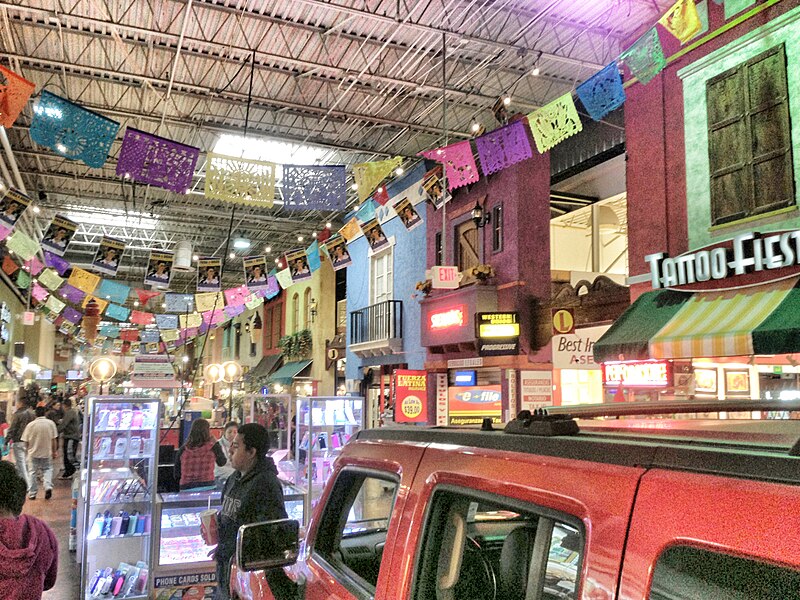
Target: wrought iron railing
(380, 321)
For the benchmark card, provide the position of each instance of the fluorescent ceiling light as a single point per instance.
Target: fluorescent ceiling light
(241, 243)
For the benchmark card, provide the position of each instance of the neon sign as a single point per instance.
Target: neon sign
(450, 317)
(650, 373)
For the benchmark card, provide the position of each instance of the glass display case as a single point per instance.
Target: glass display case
(182, 558)
(324, 424)
(117, 491)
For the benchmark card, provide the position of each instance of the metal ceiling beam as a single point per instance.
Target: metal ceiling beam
(495, 44)
(205, 93)
(226, 52)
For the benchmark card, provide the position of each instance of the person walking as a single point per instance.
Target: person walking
(194, 462)
(70, 429)
(27, 545)
(22, 416)
(252, 493)
(41, 437)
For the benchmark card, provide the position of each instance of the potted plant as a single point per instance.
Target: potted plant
(482, 272)
(422, 289)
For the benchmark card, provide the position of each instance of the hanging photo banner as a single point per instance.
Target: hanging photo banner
(313, 187)
(554, 122)
(12, 205)
(157, 161)
(58, 235)
(255, 272)
(159, 268)
(374, 234)
(56, 262)
(71, 130)
(645, 58)
(208, 271)
(337, 250)
(368, 175)
(297, 261)
(14, 95)
(503, 147)
(239, 180)
(432, 184)
(682, 20)
(407, 213)
(109, 253)
(458, 162)
(602, 92)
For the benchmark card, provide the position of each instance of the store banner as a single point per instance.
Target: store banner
(407, 213)
(470, 405)
(375, 236)
(337, 250)
(208, 271)
(536, 389)
(255, 272)
(297, 262)
(12, 205)
(159, 268)
(576, 350)
(411, 396)
(58, 235)
(441, 399)
(153, 371)
(108, 256)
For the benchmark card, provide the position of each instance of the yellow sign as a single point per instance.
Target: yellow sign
(563, 321)
(491, 330)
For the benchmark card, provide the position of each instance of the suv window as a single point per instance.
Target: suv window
(488, 548)
(352, 531)
(695, 574)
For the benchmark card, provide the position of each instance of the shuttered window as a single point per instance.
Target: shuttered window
(749, 142)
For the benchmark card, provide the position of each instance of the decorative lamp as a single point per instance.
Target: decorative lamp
(213, 373)
(231, 371)
(479, 216)
(91, 321)
(102, 370)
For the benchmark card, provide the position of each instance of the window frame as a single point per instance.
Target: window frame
(347, 578)
(498, 231)
(438, 248)
(456, 246)
(472, 494)
(385, 256)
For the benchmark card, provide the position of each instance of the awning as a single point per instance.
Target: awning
(265, 366)
(763, 319)
(289, 371)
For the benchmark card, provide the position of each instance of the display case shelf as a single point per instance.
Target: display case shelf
(114, 485)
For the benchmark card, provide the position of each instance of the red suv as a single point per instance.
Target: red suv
(548, 509)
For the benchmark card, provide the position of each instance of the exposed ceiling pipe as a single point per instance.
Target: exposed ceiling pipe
(20, 185)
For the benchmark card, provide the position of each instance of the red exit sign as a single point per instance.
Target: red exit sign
(445, 277)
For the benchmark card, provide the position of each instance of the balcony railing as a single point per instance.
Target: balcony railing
(382, 321)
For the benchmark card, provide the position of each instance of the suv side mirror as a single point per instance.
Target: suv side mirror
(267, 545)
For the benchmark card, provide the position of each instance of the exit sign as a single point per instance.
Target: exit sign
(445, 277)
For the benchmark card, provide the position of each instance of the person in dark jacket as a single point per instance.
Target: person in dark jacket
(194, 462)
(28, 547)
(70, 430)
(23, 415)
(252, 494)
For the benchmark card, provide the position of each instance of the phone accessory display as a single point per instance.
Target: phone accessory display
(137, 420)
(135, 446)
(113, 419)
(125, 419)
(123, 582)
(120, 447)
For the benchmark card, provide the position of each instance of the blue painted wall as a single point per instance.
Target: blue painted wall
(408, 268)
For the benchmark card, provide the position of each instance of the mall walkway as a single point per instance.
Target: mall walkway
(56, 513)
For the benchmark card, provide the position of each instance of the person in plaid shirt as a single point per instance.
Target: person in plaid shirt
(194, 463)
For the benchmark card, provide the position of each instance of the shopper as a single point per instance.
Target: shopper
(19, 422)
(222, 473)
(27, 545)
(70, 429)
(3, 430)
(41, 437)
(194, 462)
(252, 494)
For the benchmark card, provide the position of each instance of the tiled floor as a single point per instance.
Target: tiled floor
(56, 513)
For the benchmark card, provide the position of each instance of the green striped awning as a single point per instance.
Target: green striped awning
(762, 319)
(289, 371)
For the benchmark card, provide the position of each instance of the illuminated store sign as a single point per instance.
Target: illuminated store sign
(450, 317)
(498, 333)
(748, 253)
(649, 373)
(465, 378)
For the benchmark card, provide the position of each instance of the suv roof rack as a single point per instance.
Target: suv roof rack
(623, 409)
(540, 423)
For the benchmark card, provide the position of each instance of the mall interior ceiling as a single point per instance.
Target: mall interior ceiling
(336, 82)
